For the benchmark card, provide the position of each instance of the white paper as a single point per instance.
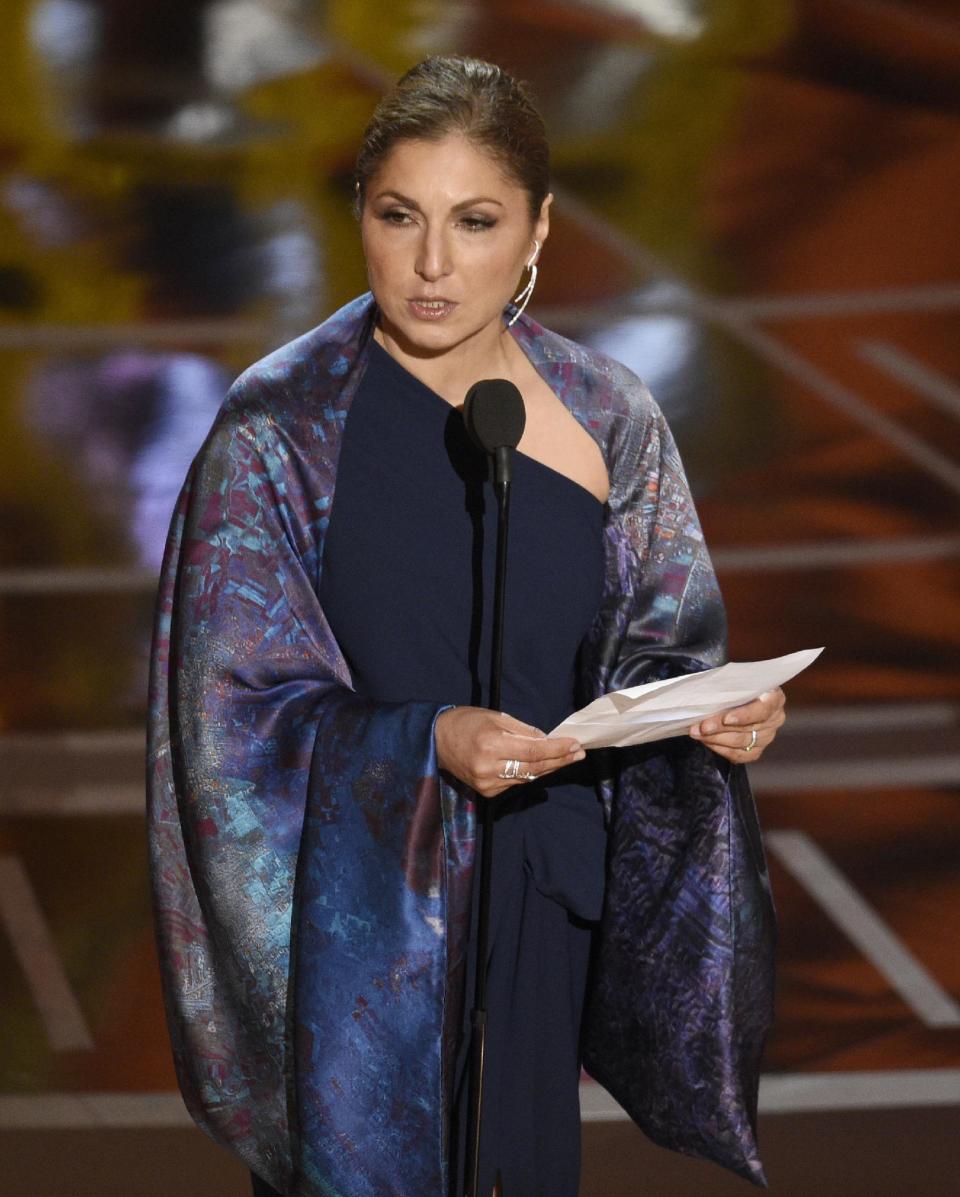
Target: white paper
(670, 708)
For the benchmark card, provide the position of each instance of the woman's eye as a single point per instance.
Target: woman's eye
(475, 224)
(395, 216)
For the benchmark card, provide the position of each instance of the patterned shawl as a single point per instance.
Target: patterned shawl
(311, 870)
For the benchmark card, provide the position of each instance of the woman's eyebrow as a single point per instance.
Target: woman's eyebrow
(409, 203)
(478, 199)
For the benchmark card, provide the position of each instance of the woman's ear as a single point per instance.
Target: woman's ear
(541, 228)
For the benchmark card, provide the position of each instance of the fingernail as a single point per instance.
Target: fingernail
(695, 732)
(765, 695)
(730, 720)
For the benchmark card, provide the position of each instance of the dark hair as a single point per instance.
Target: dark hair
(454, 94)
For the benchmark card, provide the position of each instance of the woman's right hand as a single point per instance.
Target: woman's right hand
(475, 745)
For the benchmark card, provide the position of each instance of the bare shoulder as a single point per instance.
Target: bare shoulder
(554, 437)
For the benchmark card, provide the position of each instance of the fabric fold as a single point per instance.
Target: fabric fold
(252, 719)
(311, 872)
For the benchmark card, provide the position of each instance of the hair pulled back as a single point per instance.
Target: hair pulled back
(449, 94)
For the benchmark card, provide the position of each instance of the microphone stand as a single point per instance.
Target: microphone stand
(502, 458)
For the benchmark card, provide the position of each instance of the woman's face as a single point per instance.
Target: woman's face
(446, 235)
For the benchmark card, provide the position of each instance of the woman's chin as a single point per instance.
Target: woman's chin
(434, 337)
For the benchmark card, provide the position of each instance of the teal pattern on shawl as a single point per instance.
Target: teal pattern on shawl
(311, 869)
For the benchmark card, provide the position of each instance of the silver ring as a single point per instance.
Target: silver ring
(510, 771)
(753, 741)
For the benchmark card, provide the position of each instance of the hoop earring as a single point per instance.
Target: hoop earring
(524, 297)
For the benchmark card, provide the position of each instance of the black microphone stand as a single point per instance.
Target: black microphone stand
(502, 461)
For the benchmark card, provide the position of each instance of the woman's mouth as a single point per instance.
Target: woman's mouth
(431, 309)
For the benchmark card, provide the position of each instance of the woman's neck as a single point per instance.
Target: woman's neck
(453, 371)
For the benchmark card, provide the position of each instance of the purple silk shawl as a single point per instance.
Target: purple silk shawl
(311, 869)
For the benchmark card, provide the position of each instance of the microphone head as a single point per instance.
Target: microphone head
(494, 414)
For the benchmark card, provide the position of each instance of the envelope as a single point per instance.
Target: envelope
(658, 710)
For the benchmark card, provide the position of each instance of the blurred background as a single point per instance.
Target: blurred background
(756, 211)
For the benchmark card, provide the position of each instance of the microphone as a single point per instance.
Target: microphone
(494, 415)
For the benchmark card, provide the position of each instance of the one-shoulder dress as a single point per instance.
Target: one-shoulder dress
(407, 586)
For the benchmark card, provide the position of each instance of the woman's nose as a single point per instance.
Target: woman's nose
(433, 257)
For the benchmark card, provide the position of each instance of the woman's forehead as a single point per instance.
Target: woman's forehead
(451, 167)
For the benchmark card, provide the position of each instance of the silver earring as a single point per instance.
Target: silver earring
(524, 297)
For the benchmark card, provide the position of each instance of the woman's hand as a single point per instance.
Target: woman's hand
(742, 733)
(475, 745)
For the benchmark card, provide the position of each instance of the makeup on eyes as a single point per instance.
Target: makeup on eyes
(474, 222)
(477, 221)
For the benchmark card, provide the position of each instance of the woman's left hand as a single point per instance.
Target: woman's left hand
(742, 733)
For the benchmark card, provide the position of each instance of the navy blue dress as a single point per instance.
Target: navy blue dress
(407, 586)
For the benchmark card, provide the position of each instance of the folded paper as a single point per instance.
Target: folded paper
(671, 707)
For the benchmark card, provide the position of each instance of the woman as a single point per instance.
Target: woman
(319, 740)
